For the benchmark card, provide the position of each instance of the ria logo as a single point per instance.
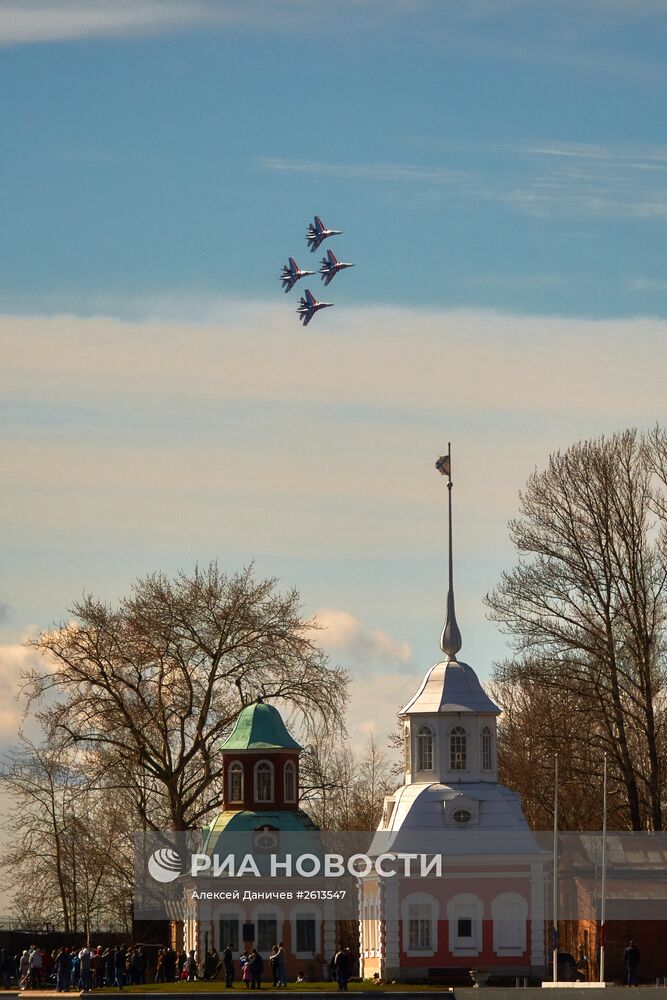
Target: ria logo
(164, 865)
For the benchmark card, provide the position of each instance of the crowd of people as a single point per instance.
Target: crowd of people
(86, 969)
(68, 968)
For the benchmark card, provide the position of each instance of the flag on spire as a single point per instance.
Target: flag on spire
(443, 465)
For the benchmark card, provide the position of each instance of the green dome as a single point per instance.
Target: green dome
(259, 727)
(247, 820)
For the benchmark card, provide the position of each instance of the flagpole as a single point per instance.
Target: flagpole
(604, 869)
(450, 640)
(449, 497)
(555, 873)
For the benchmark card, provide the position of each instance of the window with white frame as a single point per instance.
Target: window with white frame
(290, 781)
(464, 915)
(510, 913)
(419, 927)
(228, 929)
(264, 782)
(406, 747)
(267, 932)
(306, 939)
(458, 744)
(487, 758)
(235, 781)
(425, 749)
(419, 924)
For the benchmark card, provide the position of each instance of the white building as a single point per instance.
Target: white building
(488, 908)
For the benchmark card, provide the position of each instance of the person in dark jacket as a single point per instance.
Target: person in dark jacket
(632, 957)
(119, 967)
(256, 963)
(63, 970)
(228, 964)
(342, 968)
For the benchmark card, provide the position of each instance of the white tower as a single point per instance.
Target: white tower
(489, 904)
(449, 739)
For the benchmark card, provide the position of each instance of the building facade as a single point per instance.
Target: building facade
(260, 806)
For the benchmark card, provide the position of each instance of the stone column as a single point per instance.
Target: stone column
(392, 915)
(328, 937)
(360, 911)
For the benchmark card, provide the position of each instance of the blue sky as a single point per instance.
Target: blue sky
(499, 170)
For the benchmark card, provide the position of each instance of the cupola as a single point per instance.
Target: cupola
(260, 762)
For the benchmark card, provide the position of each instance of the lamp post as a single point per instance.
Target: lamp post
(555, 875)
(604, 869)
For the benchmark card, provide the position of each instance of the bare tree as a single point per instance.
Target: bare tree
(71, 856)
(586, 607)
(149, 688)
(342, 791)
(376, 779)
(537, 723)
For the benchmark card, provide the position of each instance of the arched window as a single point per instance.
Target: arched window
(290, 781)
(424, 749)
(510, 913)
(263, 781)
(406, 747)
(487, 759)
(457, 744)
(235, 782)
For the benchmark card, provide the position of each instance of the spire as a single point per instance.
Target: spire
(450, 640)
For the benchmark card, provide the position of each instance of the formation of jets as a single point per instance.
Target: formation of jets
(329, 268)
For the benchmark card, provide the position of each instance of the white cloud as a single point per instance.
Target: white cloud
(375, 702)
(357, 645)
(24, 21)
(381, 675)
(393, 172)
(15, 659)
(549, 178)
(34, 21)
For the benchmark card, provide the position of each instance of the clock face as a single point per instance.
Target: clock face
(462, 816)
(265, 838)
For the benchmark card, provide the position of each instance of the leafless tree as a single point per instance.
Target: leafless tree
(586, 609)
(344, 791)
(537, 723)
(70, 861)
(149, 688)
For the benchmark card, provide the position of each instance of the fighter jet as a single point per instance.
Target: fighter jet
(291, 274)
(317, 232)
(308, 306)
(331, 266)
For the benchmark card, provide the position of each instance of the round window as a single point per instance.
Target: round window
(462, 816)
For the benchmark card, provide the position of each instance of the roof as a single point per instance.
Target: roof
(260, 727)
(420, 817)
(247, 820)
(451, 686)
(232, 831)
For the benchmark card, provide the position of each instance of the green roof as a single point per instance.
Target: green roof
(260, 727)
(246, 820)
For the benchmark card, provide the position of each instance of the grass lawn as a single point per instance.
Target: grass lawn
(215, 986)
